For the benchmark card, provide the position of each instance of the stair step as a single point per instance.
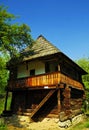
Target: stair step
(26, 114)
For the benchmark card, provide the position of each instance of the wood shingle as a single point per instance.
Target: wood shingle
(41, 47)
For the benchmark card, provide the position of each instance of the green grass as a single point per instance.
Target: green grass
(82, 125)
(3, 126)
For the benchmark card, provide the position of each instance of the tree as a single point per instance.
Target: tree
(3, 74)
(84, 63)
(13, 37)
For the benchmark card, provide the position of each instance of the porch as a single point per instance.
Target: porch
(48, 80)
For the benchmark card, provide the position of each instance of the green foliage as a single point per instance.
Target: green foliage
(13, 37)
(82, 125)
(2, 101)
(3, 74)
(84, 63)
(2, 123)
(3, 126)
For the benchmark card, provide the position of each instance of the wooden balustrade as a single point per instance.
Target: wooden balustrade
(73, 83)
(49, 79)
(44, 80)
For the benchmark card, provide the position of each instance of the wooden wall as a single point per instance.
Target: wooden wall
(71, 103)
(70, 71)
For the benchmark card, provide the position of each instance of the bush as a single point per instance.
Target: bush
(2, 124)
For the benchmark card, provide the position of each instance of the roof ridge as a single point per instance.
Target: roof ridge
(41, 36)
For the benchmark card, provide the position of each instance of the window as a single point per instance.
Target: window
(32, 72)
(47, 67)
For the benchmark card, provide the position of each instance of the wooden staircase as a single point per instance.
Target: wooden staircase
(42, 102)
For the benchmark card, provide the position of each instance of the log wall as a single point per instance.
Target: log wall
(70, 105)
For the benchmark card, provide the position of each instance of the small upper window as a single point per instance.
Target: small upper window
(32, 72)
(47, 67)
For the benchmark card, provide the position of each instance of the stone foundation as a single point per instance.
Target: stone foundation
(73, 121)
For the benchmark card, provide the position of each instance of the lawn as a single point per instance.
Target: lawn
(82, 125)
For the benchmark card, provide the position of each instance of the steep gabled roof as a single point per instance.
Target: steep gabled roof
(42, 47)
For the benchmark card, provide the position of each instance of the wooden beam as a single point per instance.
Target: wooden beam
(59, 103)
(42, 102)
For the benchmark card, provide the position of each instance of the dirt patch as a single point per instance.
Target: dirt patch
(46, 124)
(24, 123)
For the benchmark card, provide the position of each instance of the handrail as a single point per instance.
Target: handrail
(49, 79)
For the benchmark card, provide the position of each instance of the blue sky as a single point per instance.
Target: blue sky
(65, 23)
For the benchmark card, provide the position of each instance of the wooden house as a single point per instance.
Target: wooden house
(46, 83)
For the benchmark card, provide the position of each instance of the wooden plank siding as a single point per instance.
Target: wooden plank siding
(44, 80)
(73, 83)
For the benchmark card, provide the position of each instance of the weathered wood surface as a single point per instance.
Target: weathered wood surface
(70, 108)
(64, 116)
(44, 80)
(67, 80)
(76, 103)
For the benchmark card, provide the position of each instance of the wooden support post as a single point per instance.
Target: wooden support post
(5, 107)
(59, 103)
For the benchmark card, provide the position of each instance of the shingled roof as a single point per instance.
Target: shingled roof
(42, 47)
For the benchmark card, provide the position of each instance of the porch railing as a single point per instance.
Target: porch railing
(48, 79)
(44, 80)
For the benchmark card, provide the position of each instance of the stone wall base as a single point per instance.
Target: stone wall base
(73, 121)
